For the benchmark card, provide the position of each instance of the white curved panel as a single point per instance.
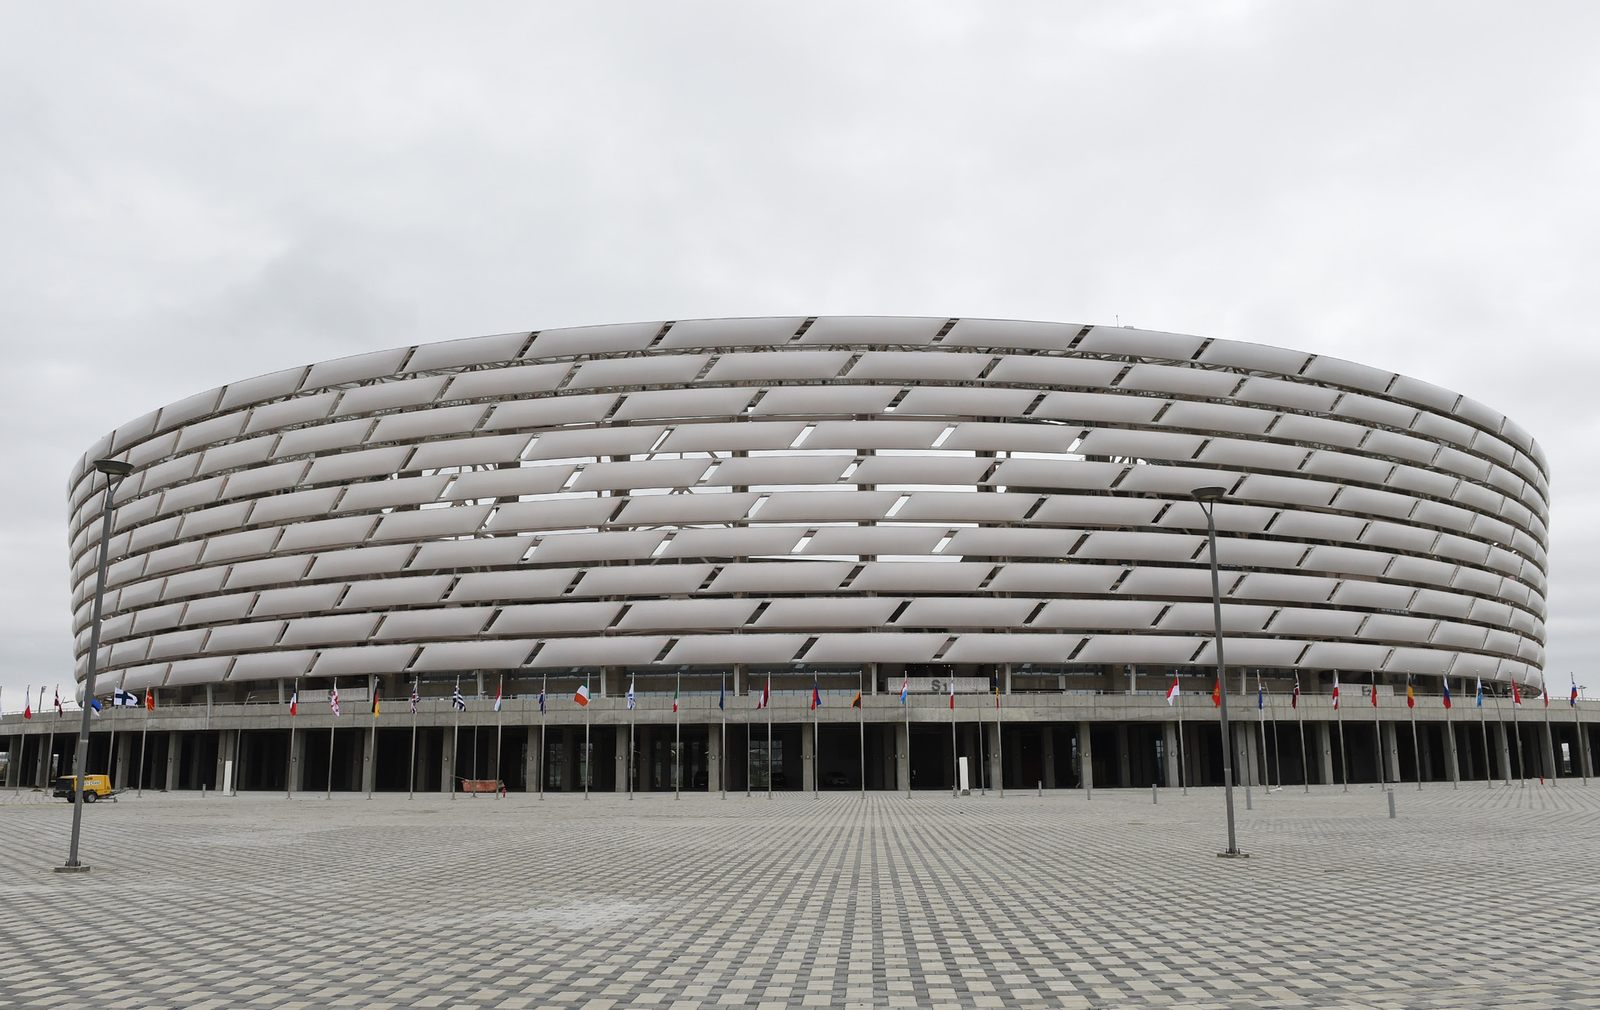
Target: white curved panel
(469, 351)
(641, 581)
(1183, 381)
(681, 509)
(350, 465)
(843, 612)
(549, 412)
(1115, 615)
(876, 539)
(718, 650)
(563, 548)
(902, 647)
(686, 615)
(380, 593)
(750, 332)
(607, 339)
(520, 380)
(781, 577)
(594, 442)
(921, 576)
(918, 365)
(1011, 333)
(965, 401)
(1165, 649)
(466, 656)
(482, 450)
(1011, 648)
(683, 403)
(1042, 577)
(454, 622)
(742, 366)
(619, 651)
(873, 330)
(530, 584)
(965, 612)
(646, 473)
(363, 659)
(415, 424)
(732, 543)
(648, 371)
(825, 400)
(284, 665)
(335, 629)
(389, 395)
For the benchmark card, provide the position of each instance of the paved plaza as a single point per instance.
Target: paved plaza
(1477, 897)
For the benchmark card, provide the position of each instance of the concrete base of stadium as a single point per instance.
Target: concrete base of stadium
(1032, 741)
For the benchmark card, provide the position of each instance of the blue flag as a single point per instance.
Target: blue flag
(1261, 698)
(94, 703)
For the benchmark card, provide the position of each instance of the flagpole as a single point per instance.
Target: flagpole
(374, 707)
(143, 734)
(1577, 729)
(816, 741)
(1277, 749)
(1377, 735)
(588, 719)
(27, 693)
(999, 743)
(544, 683)
(677, 738)
(50, 747)
(955, 758)
(1449, 729)
(1261, 727)
(1516, 724)
(1305, 767)
(411, 782)
(499, 730)
(768, 737)
(628, 765)
(1416, 748)
(1483, 727)
(288, 781)
(1344, 755)
(905, 704)
(1544, 691)
(331, 728)
(455, 739)
(1183, 779)
(748, 742)
(722, 765)
(861, 723)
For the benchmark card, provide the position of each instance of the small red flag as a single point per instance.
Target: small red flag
(1216, 694)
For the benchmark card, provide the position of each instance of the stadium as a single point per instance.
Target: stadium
(930, 545)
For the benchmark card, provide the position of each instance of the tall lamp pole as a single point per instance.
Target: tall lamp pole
(1208, 498)
(115, 470)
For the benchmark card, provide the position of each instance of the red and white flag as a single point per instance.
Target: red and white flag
(1172, 692)
(333, 698)
(62, 711)
(1336, 692)
(294, 700)
(27, 703)
(765, 697)
(1516, 693)
(952, 694)
(581, 696)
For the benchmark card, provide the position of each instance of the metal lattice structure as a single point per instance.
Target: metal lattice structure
(820, 490)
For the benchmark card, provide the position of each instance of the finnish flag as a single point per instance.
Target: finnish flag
(125, 699)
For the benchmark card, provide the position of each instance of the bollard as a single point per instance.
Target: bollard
(1041, 789)
(1153, 799)
(1248, 803)
(202, 790)
(1391, 804)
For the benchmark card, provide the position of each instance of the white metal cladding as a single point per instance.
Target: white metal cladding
(840, 490)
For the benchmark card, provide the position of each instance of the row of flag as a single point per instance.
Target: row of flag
(1411, 693)
(119, 698)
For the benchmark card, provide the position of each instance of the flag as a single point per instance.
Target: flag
(581, 696)
(1261, 698)
(722, 695)
(294, 701)
(1216, 694)
(1572, 699)
(1173, 692)
(816, 696)
(1336, 692)
(415, 697)
(333, 698)
(952, 695)
(1446, 696)
(499, 694)
(1294, 699)
(1544, 689)
(1374, 690)
(125, 699)
(1480, 692)
(541, 698)
(1411, 694)
(766, 695)
(675, 697)
(631, 702)
(905, 689)
(856, 701)
(94, 703)
(377, 690)
(59, 709)
(150, 699)
(460, 704)
(1516, 694)
(27, 705)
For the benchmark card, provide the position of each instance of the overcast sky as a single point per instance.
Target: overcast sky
(193, 194)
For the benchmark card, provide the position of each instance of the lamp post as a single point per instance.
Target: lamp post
(1208, 498)
(115, 470)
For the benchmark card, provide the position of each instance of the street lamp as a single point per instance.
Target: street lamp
(115, 470)
(1208, 498)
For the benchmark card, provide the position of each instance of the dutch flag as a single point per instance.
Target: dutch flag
(905, 689)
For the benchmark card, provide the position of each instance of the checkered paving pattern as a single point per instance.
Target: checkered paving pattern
(1473, 897)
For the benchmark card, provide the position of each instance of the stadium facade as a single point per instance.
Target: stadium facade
(827, 505)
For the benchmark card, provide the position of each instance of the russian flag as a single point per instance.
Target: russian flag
(816, 695)
(1446, 683)
(1572, 699)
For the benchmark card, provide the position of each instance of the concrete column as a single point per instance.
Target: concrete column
(1391, 752)
(174, 759)
(714, 757)
(1124, 759)
(1169, 751)
(996, 754)
(1085, 757)
(902, 755)
(1547, 739)
(1584, 757)
(1452, 759)
(1503, 737)
(1049, 757)
(368, 758)
(447, 762)
(621, 756)
(297, 763)
(1322, 739)
(124, 760)
(227, 751)
(808, 755)
(532, 760)
(13, 760)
